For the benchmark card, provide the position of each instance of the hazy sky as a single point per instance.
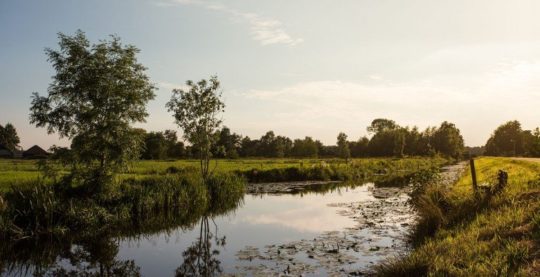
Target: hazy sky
(300, 67)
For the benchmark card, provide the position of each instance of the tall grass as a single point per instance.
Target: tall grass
(463, 234)
(12, 172)
(54, 209)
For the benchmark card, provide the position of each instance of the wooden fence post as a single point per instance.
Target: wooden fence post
(473, 175)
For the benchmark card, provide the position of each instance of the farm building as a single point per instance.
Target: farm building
(8, 153)
(35, 152)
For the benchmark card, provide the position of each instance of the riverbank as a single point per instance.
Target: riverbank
(17, 172)
(496, 233)
(47, 212)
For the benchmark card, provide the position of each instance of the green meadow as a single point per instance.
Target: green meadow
(477, 236)
(13, 171)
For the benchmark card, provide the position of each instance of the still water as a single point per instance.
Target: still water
(340, 230)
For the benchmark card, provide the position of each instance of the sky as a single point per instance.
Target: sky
(299, 67)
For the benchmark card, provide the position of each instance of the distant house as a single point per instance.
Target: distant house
(35, 152)
(8, 153)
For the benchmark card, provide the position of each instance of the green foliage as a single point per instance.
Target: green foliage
(462, 234)
(44, 209)
(510, 139)
(9, 137)
(448, 141)
(162, 145)
(506, 140)
(98, 91)
(343, 146)
(196, 111)
(306, 148)
(390, 139)
(378, 170)
(227, 145)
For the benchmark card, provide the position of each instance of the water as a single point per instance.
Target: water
(335, 230)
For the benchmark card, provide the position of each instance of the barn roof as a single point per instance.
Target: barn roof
(36, 151)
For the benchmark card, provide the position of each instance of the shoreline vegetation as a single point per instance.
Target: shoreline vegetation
(53, 216)
(493, 232)
(44, 206)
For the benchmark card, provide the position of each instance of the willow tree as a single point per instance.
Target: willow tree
(195, 110)
(98, 92)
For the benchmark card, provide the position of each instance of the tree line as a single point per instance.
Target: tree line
(510, 139)
(388, 139)
(100, 90)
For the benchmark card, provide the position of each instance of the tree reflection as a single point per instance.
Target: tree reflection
(201, 259)
(93, 257)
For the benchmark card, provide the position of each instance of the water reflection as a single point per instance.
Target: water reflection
(97, 254)
(199, 250)
(201, 258)
(52, 257)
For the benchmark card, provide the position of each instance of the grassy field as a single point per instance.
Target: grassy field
(15, 171)
(499, 237)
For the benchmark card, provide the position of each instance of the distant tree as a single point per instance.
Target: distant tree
(156, 146)
(474, 151)
(227, 144)
(282, 147)
(388, 139)
(98, 91)
(343, 146)
(9, 137)
(533, 147)
(196, 111)
(359, 148)
(413, 142)
(506, 140)
(306, 148)
(266, 144)
(381, 124)
(175, 148)
(447, 140)
(248, 147)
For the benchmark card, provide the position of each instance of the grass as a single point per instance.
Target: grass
(152, 196)
(496, 236)
(13, 172)
(54, 209)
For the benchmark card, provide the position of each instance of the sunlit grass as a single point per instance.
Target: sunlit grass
(499, 238)
(15, 171)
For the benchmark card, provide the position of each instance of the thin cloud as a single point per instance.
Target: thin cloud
(265, 30)
(510, 92)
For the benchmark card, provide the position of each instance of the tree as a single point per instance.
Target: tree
(506, 140)
(447, 140)
(387, 138)
(306, 148)
(195, 110)
(227, 144)
(175, 148)
(155, 146)
(382, 124)
(359, 148)
(533, 148)
(248, 147)
(343, 147)
(9, 137)
(97, 93)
